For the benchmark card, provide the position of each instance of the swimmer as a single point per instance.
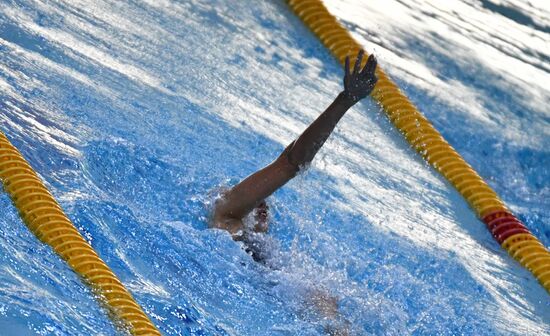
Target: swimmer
(250, 194)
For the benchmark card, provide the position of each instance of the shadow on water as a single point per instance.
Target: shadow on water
(515, 172)
(514, 15)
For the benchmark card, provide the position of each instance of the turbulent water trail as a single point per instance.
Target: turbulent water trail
(134, 113)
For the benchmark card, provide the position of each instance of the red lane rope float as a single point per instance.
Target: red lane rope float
(45, 218)
(426, 140)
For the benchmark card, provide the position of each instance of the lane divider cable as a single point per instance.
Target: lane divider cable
(45, 218)
(508, 230)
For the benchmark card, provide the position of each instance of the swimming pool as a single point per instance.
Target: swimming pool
(135, 113)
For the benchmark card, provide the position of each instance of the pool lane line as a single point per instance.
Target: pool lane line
(45, 218)
(509, 231)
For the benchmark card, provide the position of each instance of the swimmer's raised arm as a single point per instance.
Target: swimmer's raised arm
(249, 193)
(357, 85)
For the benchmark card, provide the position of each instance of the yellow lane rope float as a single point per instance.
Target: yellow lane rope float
(513, 236)
(45, 218)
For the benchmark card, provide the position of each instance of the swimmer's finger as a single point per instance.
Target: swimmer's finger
(370, 67)
(358, 61)
(347, 65)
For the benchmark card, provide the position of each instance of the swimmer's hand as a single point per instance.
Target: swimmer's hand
(359, 83)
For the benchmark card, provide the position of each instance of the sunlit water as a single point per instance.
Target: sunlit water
(134, 114)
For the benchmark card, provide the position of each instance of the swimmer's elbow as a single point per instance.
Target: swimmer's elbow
(286, 163)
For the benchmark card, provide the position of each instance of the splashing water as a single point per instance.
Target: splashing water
(133, 113)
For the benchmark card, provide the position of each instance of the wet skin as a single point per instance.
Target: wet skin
(251, 192)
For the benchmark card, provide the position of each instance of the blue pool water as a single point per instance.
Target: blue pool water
(134, 114)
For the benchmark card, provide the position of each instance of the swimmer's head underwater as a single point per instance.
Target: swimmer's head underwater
(252, 242)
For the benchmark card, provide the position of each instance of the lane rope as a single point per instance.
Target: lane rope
(509, 231)
(45, 218)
